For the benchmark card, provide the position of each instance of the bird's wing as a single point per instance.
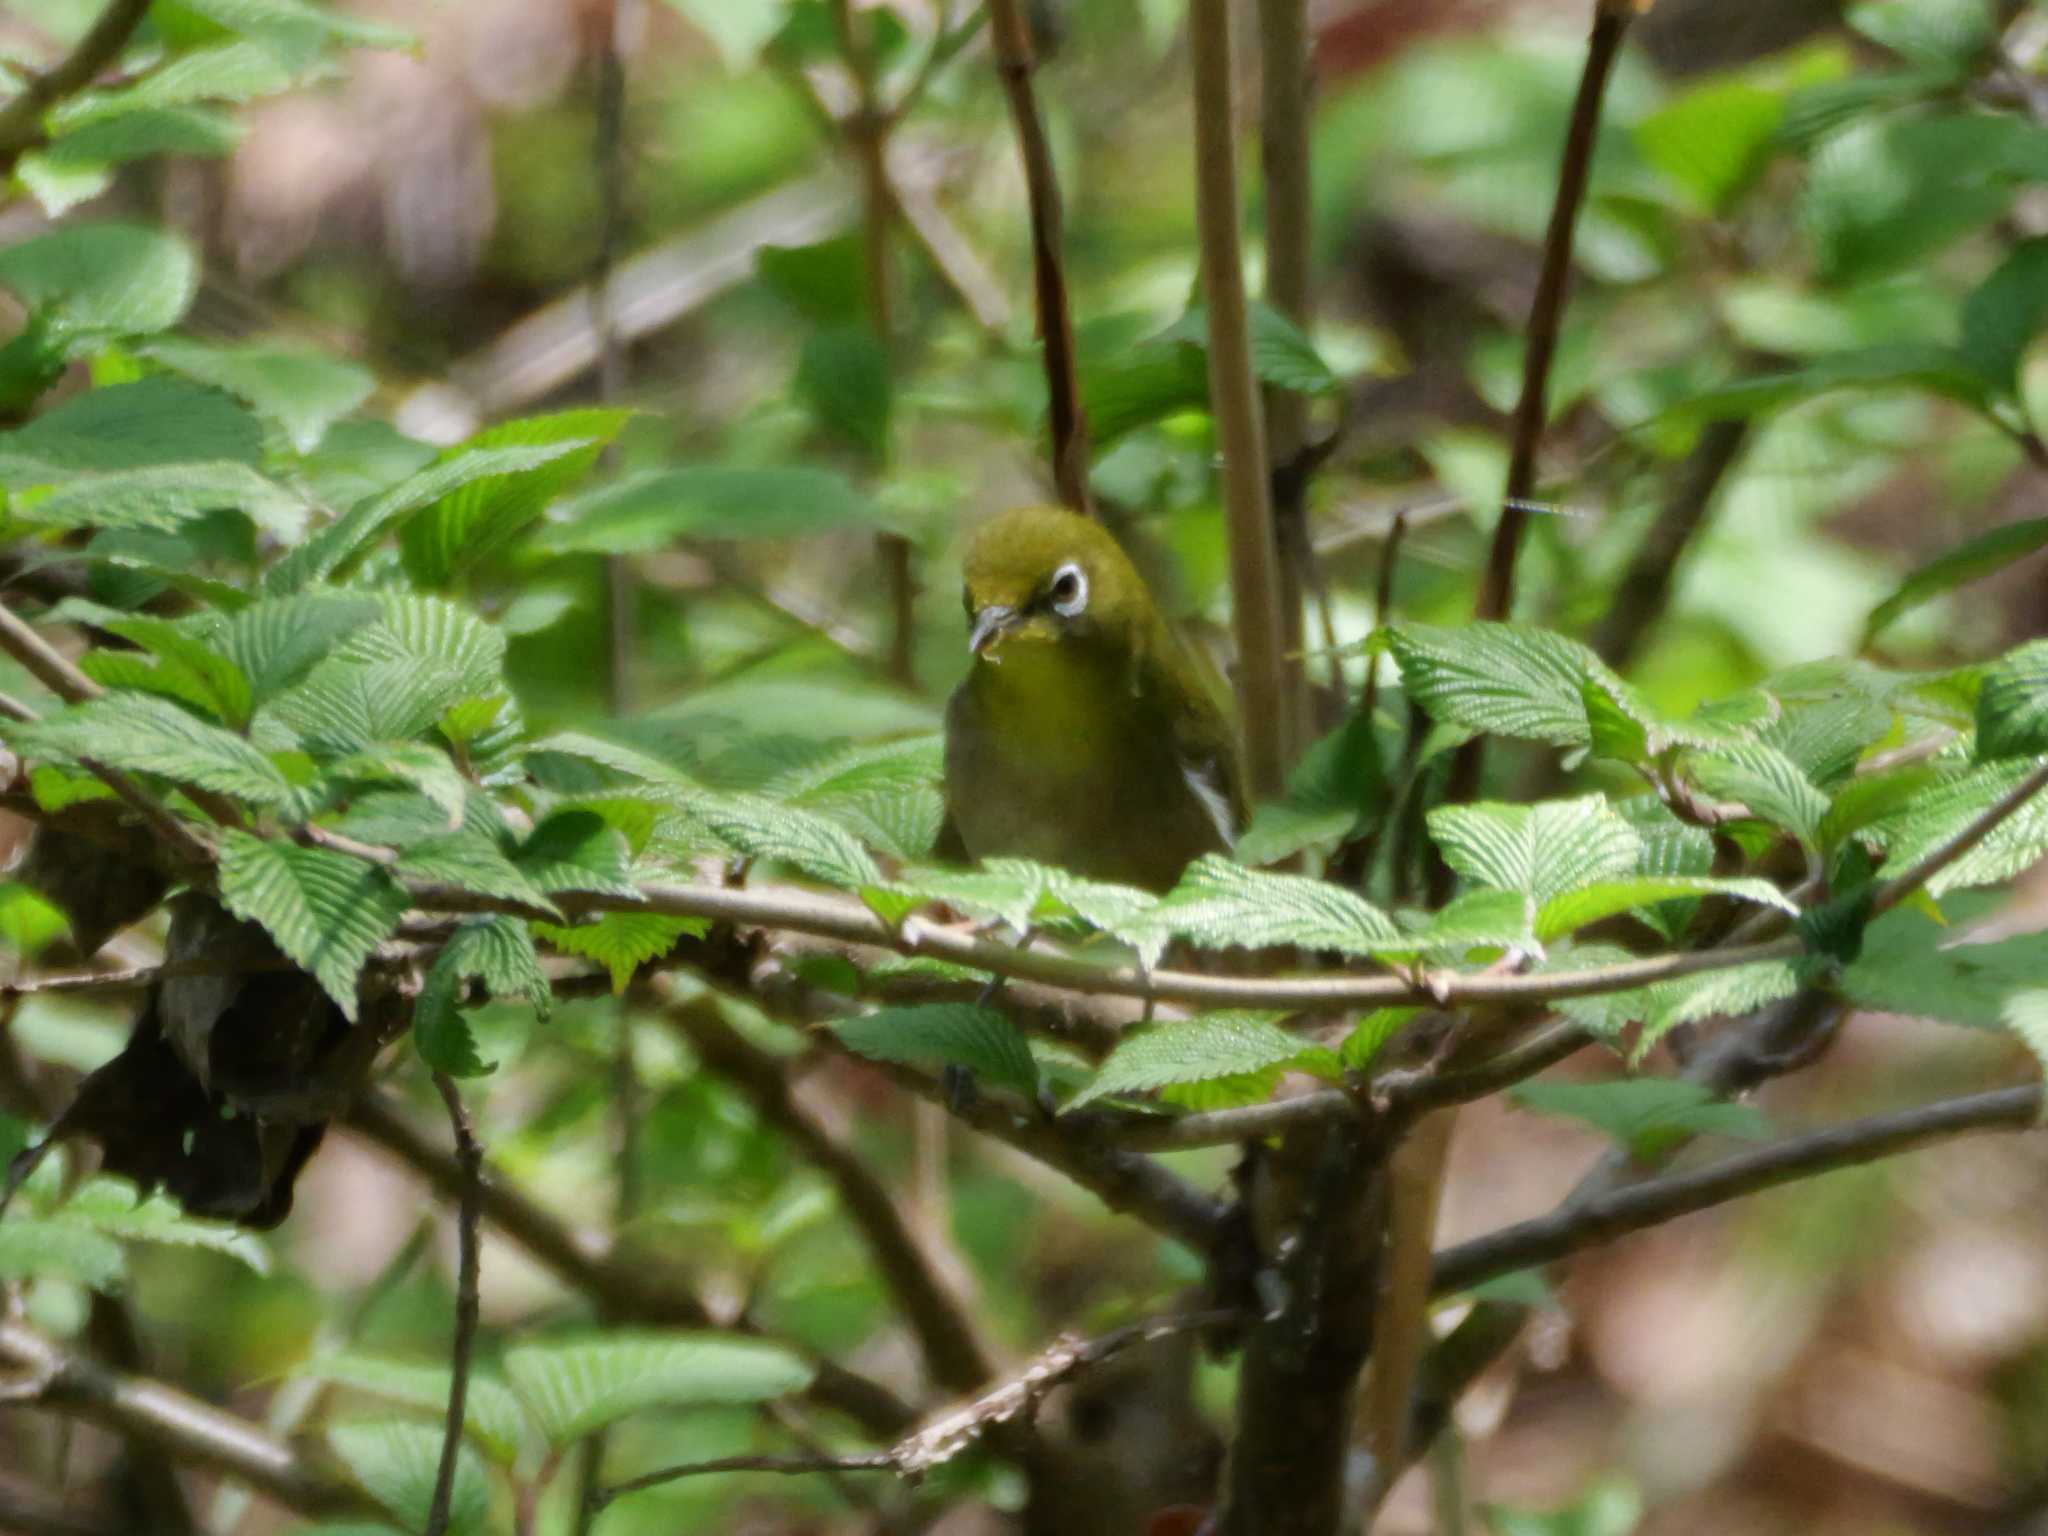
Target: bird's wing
(1203, 742)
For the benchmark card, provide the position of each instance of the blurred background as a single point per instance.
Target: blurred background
(1866, 1353)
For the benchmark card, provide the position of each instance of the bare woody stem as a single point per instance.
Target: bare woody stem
(1015, 62)
(469, 1157)
(21, 118)
(1262, 678)
(1578, 1224)
(1285, 86)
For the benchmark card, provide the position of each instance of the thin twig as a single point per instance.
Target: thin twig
(1546, 309)
(946, 1434)
(469, 1157)
(21, 119)
(1583, 1224)
(1262, 669)
(1015, 63)
(1286, 82)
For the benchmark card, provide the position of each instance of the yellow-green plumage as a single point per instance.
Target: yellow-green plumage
(1084, 735)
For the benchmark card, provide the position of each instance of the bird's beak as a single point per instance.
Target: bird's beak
(988, 623)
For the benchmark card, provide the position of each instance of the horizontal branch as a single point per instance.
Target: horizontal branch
(47, 1375)
(946, 1434)
(1578, 1224)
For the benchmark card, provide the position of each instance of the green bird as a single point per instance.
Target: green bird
(1084, 736)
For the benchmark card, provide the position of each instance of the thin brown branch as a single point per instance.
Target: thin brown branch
(1015, 62)
(1644, 589)
(469, 1158)
(1286, 83)
(634, 1292)
(1894, 891)
(1584, 1224)
(21, 119)
(946, 1434)
(954, 1353)
(1546, 309)
(47, 1375)
(1262, 672)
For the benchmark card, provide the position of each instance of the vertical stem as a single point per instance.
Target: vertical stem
(1234, 400)
(469, 1157)
(1286, 83)
(868, 134)
(1015, 62)
(1546, 311)
(611, 369)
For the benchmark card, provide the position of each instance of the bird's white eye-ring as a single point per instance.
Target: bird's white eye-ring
(1069, 591)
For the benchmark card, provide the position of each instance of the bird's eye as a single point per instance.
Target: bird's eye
(1069, 591)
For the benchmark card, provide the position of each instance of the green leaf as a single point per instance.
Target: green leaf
(621, 942)
(945, 1035)
(485, 513)
(299, 26)
(2025, 1014)
(1713, 140)
(1913, 966)
(104, 279)
(1206, 1047)
(758, 828)
(826, 282)
(491, 467)
(885, 793)
(1336, 787)
(345, 709)
(162, 497)
(1369, 1034)
(231, 72)
(396, 1464)
(1765, 782)
(1972, 560)
(152, 735)
(738, 29)
(1539, 851)
(1645, 1116)
(496, 951)
(1940, 813)
(304, 391)
(425, 631)
(1484, 920)
(277, 641)
(575, 851)
(78, 166)
(572, 1389)
(1624, 725)
(1222, 905)
(221, 686)
(1501, 679)
(651, 511)
(31, 1247)
(491, 1415)
(1281, 354)
(1947, 33)
(130, 426)
(327, 911)
(1611, 1507)
(2012, 704)
(471, 861)
(843, 375)
(115, 1207)
(1128, 381)
(1609, 898)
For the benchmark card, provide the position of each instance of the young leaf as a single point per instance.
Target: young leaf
(1500, 679)
(118, 1209)
(1609, 898)
(1541, 851)
(152, 735)
(575, 851)
(758, 828)
(131, 426)
(1645, 1116)
(1369, 1034)
(469, 860)
(164, 498)
(572, 1389)
(1767, 783)
(621, 942)
(213, 679)
(1222, 905)
(945, 1035)
(843, 375)
(327, 911)
(109, 279)
(487, 512)
(304, 391)
(1938, 814)
(32, 1246)
(1206, 1047)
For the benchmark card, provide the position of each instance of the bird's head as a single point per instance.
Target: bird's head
(1040, 576)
